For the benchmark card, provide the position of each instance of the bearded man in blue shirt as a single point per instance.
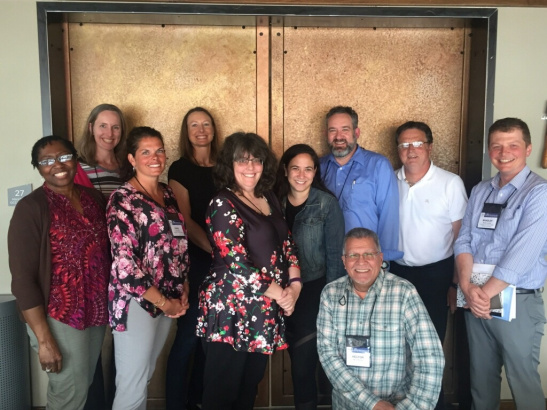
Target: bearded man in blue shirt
(505, 230)
(363, 181)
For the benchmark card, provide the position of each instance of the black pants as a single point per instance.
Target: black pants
(231, 378)
(432, 283)
(302, 338)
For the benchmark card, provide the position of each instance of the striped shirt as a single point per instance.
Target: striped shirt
(103, 179)
(518, 245)
(407, 356)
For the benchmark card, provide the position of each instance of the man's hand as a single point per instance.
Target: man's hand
(383, 405)
(478, 301)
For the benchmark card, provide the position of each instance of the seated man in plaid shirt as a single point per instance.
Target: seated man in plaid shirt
(375, 339)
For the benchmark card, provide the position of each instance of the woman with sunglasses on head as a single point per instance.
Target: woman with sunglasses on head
(59, 260)
(148, 285)
(191, 180)
(254, 278)
(317, 225)
(102, 149)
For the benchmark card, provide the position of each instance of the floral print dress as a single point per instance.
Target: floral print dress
(145, 252)
(250, 250)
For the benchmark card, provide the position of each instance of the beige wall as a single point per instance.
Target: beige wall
(521, 91)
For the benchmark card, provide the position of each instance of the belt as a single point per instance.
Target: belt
(521, 291)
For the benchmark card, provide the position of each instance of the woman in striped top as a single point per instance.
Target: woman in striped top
(101, 149)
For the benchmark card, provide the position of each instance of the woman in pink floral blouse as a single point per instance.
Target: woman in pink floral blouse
(254, 278)
(148, 284)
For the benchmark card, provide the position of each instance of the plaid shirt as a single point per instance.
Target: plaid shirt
(407, 356)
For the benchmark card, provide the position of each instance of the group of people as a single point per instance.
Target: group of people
(339, 260)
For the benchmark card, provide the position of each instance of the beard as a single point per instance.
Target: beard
(339, 152)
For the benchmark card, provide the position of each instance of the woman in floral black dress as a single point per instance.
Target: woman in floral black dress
(254, 278)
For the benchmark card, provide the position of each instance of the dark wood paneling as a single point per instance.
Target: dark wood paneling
(462, 3)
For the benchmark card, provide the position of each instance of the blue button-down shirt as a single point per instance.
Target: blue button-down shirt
(367, 191)
(518, 245)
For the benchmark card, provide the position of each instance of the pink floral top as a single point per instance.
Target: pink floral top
(80, 261)
(145, 251)
(250, 251)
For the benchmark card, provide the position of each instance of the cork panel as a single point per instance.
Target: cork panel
(156, 74)
(389, 76)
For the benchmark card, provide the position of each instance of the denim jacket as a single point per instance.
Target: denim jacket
(318, 233)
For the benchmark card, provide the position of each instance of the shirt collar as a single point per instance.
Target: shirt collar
(401, 175)
(517, 181)
(358, 156)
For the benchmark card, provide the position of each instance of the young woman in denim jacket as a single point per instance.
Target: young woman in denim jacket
(317, 225)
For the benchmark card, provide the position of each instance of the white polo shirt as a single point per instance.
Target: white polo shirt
(426, 212)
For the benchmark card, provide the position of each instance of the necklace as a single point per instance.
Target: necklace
(410, 184)
(147, 193)
(251, 202)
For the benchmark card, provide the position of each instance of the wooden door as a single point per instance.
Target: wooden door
(277, 77)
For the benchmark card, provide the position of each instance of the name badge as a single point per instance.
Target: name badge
(176, 225)
(358, 351)
(489, 216)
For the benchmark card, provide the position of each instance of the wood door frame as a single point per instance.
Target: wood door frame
(55, 95)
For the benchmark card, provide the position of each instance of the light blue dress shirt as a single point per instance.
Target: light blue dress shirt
(518, 245)
(367, 191)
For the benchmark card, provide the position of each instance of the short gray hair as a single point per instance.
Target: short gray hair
(362, 233)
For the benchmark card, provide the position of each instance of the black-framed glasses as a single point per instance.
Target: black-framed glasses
(368, 256)
(245, 161)
(50, 161)
(415, 144)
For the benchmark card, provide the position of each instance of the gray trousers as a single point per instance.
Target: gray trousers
(514, 345)
(67, 390)
(137, 350)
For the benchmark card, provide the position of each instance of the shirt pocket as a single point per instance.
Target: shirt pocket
(387, 348)
(361, 194)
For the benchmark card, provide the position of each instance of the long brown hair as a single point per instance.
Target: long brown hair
(186, 148)
(88, 147)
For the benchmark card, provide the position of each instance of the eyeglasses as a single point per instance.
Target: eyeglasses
(354, 257)
(245, 161)
(415, 144)
(50, 161)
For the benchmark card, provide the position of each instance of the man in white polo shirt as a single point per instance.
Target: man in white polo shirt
(432, 204)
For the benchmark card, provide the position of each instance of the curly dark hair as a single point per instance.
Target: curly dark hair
(50, 139)
(282, 186)
(240, 145)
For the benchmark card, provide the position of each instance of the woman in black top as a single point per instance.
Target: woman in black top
(191, 180)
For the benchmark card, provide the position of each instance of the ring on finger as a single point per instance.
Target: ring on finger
(48, 369)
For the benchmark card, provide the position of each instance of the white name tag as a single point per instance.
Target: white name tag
(487, 221)
(176, 228)
(358, 351)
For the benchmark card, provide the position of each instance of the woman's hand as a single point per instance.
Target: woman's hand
(174, 308)
(50, 356)
(289, 297)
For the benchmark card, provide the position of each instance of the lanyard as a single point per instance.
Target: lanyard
(345, 180)
(344, 301)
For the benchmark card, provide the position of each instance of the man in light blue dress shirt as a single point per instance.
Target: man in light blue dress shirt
(505, 226)
(363, 181)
